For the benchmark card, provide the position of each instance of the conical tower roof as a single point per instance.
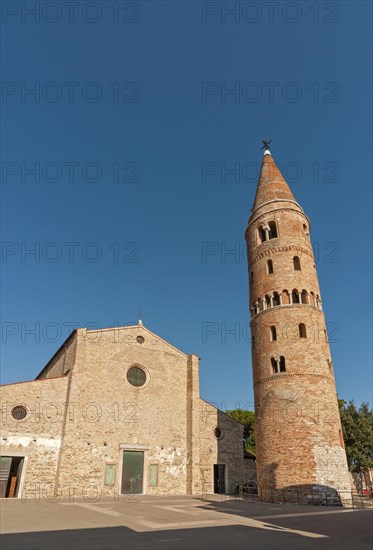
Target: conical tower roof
(271, 184)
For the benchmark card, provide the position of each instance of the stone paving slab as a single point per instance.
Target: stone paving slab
(179, 523)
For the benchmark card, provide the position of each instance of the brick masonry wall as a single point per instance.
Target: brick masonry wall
(298, 430)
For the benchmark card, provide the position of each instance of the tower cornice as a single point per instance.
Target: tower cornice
(295, 374)
(285, 306)
(299, 208)
(268, 251)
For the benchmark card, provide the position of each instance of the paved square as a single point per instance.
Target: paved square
(143, 522)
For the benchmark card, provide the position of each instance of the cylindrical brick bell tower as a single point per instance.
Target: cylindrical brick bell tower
(298, 429)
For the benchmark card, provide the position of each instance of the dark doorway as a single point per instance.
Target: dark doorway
(10, 475)
(219, 478)
(132, 472)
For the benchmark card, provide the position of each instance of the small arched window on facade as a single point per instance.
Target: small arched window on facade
(262, 234)
(274, 365)
(296, 262)
(302, 331)
(273, 333)
(282, 364)
(304, 297)
(276, 299)
(312, 298)
(272, 230)
(268, 301)
(295, 296)
(269, 267)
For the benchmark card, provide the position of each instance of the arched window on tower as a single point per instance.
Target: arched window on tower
(276, 299)
(274, 365)
(269, 267)
(296, 262)
(282, 364)
(272, 230)
(273, 333)
(267, 301)
(262, 234)
(312, 298)
(295, 296)
(251, 277)
(304, 297)
(285, 297)
(302, 331)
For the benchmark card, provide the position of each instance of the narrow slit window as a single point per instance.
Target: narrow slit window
(302, 330)
(273, 333)
(251, 276)
(282, 364)
(296, 262)
(269, 267)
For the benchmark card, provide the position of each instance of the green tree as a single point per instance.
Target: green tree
(247, 418)
(357, 427)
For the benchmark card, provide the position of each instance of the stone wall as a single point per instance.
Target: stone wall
(62, 361)
(38, 436)
(93, 415)
(226, 449)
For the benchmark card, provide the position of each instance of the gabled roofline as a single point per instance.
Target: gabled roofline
(56, 353)
(226, 414)
(35, 380)
(74, 333)
(144, 328)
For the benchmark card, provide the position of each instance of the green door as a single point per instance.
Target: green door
(133, 472)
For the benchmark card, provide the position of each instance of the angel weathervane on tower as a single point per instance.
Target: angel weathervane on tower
(266, 144)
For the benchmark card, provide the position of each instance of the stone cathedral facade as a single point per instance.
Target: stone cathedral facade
(298, 430)
(116, 412)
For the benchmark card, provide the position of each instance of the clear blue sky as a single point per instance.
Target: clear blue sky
(138, 99)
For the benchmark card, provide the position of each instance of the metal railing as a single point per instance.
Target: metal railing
(294, 495)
